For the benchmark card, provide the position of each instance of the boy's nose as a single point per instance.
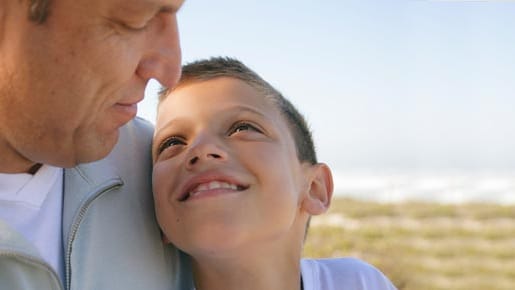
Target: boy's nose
(195, 159)
(205, 149)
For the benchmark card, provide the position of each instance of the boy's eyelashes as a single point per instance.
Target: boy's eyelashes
(234, 129)
(243, 126)
(169, 142)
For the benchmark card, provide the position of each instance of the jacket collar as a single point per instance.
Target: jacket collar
(82, 184)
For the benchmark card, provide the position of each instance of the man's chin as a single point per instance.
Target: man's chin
(96, 149)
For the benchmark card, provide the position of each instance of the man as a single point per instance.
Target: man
(71, 75)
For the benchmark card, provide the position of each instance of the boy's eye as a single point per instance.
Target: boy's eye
(172, 141)
(243, 126)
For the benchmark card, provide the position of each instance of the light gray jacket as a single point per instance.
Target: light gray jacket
(110, 236)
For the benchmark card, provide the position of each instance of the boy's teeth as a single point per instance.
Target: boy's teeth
(214, 185)
(201, 187)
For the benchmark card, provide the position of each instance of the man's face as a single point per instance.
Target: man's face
(225, 165)
(67, 85)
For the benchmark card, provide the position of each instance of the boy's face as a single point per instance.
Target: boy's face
(226, 171)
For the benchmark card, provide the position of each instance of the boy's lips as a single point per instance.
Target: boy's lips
(209, 184)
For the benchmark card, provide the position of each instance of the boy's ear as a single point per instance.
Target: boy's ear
(320, 190)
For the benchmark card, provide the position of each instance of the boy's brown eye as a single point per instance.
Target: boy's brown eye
(243, 127)
(172, 141)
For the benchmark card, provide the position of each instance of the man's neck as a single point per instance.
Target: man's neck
(12, 162)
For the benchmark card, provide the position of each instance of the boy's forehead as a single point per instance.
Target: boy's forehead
(220, 89)
(221, 93)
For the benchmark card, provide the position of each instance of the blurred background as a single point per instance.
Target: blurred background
(411, 103)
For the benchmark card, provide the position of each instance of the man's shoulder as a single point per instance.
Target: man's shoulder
(135, 138)
(140, 123)
(138, 128)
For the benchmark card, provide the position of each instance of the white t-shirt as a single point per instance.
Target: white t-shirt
(342, 274)
(32, 204)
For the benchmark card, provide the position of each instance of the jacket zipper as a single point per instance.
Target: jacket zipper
(113, 184)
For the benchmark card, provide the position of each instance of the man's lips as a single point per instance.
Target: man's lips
(127, 108)
(130, 101)
(125, 112)
(210, 186)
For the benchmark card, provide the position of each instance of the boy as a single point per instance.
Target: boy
(236, 180)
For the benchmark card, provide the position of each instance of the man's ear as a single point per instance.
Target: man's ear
(164, 238)
(320, 190)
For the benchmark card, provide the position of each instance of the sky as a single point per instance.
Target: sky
(386, 85)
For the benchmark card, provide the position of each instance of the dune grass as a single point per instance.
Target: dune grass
(422, 246)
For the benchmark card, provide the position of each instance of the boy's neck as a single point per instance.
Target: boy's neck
(254, 270)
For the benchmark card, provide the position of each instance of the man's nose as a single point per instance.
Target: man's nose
(162, 59)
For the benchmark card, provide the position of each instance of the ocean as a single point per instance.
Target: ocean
(442, 187)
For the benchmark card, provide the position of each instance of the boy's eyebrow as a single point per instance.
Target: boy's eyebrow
(247, 109)
(240, 108)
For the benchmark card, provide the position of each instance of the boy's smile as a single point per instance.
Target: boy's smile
(209, 184)
(225, 165)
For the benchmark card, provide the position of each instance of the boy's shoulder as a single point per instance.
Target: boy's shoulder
(355, 274)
